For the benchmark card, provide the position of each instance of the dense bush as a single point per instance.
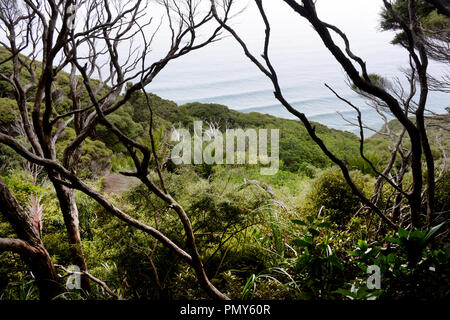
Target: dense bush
(95, 156)
(443, 193)
(124, 121)
(331, 191)
(8, 108)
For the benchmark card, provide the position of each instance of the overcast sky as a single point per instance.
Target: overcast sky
(294, 43)
(359, 19)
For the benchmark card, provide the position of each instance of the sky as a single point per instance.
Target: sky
(296, 49)
(292, 36)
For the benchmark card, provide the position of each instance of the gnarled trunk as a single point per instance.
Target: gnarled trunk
(44, 271)
(29, 246)
(69, 210)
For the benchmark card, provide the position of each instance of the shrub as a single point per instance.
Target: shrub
(21, 187)
(123, 120)
(331, 191)
(7, 111)
(95, 156)
(442, 195)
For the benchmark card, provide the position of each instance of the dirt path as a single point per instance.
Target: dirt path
(117, 183)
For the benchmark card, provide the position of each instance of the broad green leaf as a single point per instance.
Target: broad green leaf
(432, 231)
(313, 232)
(346, 293)
(393, 240)
(301, 243)
(324, 225)
(299, 222)
(402, 233)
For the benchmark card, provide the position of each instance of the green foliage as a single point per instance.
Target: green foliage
(95, 156)
(122, 119)
(363, 166)
(427, 14)
(255, 244)
(23, 289)
(297, 150)
(413, 267)
(331, 191)
(86, 214)
(164, 111)
(249, 285)
(317, 266)
(361, 293)
(15, 282)
(9, 161)
(414, 242)
(21, 187)
(442, 195)
(120, 162)
(377, 80)
(8, 109)
(14, 277)
(435, 21)
(6, 89)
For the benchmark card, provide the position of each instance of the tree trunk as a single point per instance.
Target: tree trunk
(69, 210)
(30, 246)
(44, 271)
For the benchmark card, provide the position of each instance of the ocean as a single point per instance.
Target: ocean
(221, 74)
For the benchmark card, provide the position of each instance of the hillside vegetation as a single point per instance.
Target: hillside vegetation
(298, 234)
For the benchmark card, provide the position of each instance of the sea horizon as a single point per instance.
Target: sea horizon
(221, 74)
